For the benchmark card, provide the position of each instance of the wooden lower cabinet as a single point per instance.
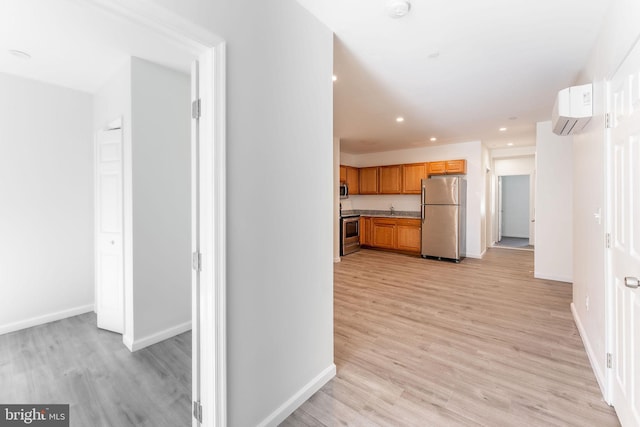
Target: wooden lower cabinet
(399, 234)
(409, 235)
(384, 233)
(365, 230)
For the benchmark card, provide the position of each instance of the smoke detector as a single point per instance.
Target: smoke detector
(398, 8)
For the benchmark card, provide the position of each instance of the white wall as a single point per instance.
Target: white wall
(46, 203)
(279, 136)
(161, 149)
(554, 205)
(471, 151)
(616, 38)
(515, 206)
(515, 166)
(154, 102)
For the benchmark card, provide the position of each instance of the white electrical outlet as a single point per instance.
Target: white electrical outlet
(586, 302)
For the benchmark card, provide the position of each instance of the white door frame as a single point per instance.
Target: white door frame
(211, 53)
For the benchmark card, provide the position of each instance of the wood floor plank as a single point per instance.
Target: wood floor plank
(429, 343)
(72, 361)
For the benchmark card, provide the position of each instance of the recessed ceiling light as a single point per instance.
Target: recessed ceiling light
(398, 8)
(399, 119)
(502, 129)
(19, 54)
(433, 139)
(335, 77)
(510, 144)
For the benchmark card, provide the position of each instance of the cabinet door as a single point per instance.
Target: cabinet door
(412, 176)
(437, 168)
(343, 173)
(365, 231)
(369, 180)
(408, 235)
(383, 231)
(456, 166)
(353, 180)
(390, 179)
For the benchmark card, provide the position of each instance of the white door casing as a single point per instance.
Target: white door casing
(532, 208)
(109, 256)
(209, 285)
(623, 257)
(499, 208)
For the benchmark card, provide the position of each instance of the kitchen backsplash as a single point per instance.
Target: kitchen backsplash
(400, 202)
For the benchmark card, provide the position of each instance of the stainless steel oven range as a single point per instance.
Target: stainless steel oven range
(349, 234)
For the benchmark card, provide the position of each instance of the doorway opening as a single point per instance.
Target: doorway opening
(514, 212)
(512, 189)
(207, 186)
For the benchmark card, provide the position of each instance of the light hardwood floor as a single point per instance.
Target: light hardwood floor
(71, 361)
(428, 343)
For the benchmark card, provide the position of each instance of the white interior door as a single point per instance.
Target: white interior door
(624, 255)
(109, 257)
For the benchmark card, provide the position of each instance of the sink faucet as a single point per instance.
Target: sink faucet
(392, 210)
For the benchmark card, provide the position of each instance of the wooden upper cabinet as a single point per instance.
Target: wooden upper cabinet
(450, 167)
(437, 168)
(390, 179)
(369, 180)
(456, 166)
(343, 173)
(353, 180)
(412, 176)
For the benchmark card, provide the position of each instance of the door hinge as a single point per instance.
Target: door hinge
(195, 109)
(608, 241)
(196, 261)
(607, 121)
(197, 411)
(609, 363)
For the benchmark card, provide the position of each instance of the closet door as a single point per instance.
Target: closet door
(109, 256)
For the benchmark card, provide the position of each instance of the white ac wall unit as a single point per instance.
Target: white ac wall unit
(573, 109)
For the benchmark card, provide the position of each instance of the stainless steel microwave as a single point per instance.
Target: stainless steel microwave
(344, 190)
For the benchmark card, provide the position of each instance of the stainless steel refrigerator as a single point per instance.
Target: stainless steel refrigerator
(444, 210)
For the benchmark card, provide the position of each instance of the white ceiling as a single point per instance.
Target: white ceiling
(457, 70)
(76, 44)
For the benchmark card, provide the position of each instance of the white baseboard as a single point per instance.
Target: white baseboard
(46, 318)
(138, 344)
(287, 408)
(475, 256)
(552, 277)
(595, 366)
(335, 260)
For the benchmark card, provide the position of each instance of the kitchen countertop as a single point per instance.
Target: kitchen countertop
(383, 214)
